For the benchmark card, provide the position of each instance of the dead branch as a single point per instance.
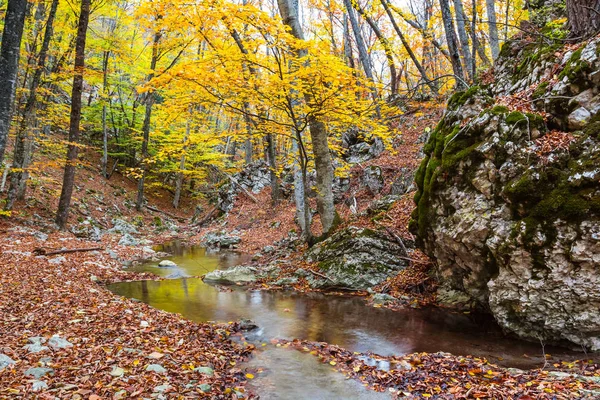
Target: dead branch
(320, 274)
(45, 252)
(175, 217)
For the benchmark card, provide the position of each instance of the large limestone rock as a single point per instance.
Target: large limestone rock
(232, 276)
(355, 259)
(509, 206)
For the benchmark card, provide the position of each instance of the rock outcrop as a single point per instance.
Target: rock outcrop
(355, 259)
(508, 201)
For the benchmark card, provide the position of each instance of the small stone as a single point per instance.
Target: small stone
(162, 388)
(39, 386)
(5, 361)
(159, 369)
(382, 298)
(205, 370)
(167, 264)
(57, 260)
(121, 394)
(579, 118)
(93, 278)
(205, 387)
(144, 324)
(117, 372)
(36, 345)
(56, 342)
(155, 355)
(38, 372)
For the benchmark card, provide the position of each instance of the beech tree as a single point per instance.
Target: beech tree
(9, 65)
(584, 17)
(73, 150)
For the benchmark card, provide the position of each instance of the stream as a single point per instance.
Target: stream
(342, 320)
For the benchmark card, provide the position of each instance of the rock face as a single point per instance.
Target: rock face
(355, 259)
(508, 203)
(254, 178)
(220, 240)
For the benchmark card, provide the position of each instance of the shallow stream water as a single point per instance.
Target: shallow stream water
(344, 321)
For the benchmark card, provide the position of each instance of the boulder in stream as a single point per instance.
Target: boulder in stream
(232, 276)
(355, 259)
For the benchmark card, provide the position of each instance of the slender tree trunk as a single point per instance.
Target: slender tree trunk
(408, 49)
(318, 132)
(9, 65)
(149, 100)
(452, 42)
(493, 27)
(24, 141)
(272, 158)
(461, 20)
(474, 40)
(584, 17)
(387, 47)
(363, 54)
(179, 182)
(104, 110)
(69, 174)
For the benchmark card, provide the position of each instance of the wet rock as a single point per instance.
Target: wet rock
(5, 361)
(247, 325)
(167, 264)
(159, 369)
(205, 371)
(355, 259)
(128, 240)
(38, 372)
(56, 342)
(231, 276)
(382, 298)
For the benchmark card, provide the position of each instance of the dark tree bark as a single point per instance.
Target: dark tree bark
(149, 100)
(584, 17)
(452, 42)
(69, 175)
(23, 141)
(9, 65)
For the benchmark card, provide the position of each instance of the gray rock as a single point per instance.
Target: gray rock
(301, 273)
(123, 227)
(221, 240)
(36, 344)
(231, 276)
(355, 259)
(159, 369)
(404, 182)
(56, 342)
(373, 179)
(205, 371)
(513, 227)
(38, 386)
(5, 361)
(286, 282)
(167, 264)
(382, 298)
(128, 240)
(57, 260)
(162, 388)
(117, 372)
(38, 372)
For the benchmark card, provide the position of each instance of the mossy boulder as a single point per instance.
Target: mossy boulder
(509, 207)
(355, 259)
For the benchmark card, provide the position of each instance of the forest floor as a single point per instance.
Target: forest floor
(65, 335)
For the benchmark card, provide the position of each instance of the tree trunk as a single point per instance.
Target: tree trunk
(365, 59)
(70, 165)
(149, 100)
(584, 17)
(179, 182)
(408, 49)
(461, 19)
(104, 122)
(493, 28)
(452, 42)
(387, 48)
(318, 132)
(9, 65)
(24, 141)
(272, 154)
